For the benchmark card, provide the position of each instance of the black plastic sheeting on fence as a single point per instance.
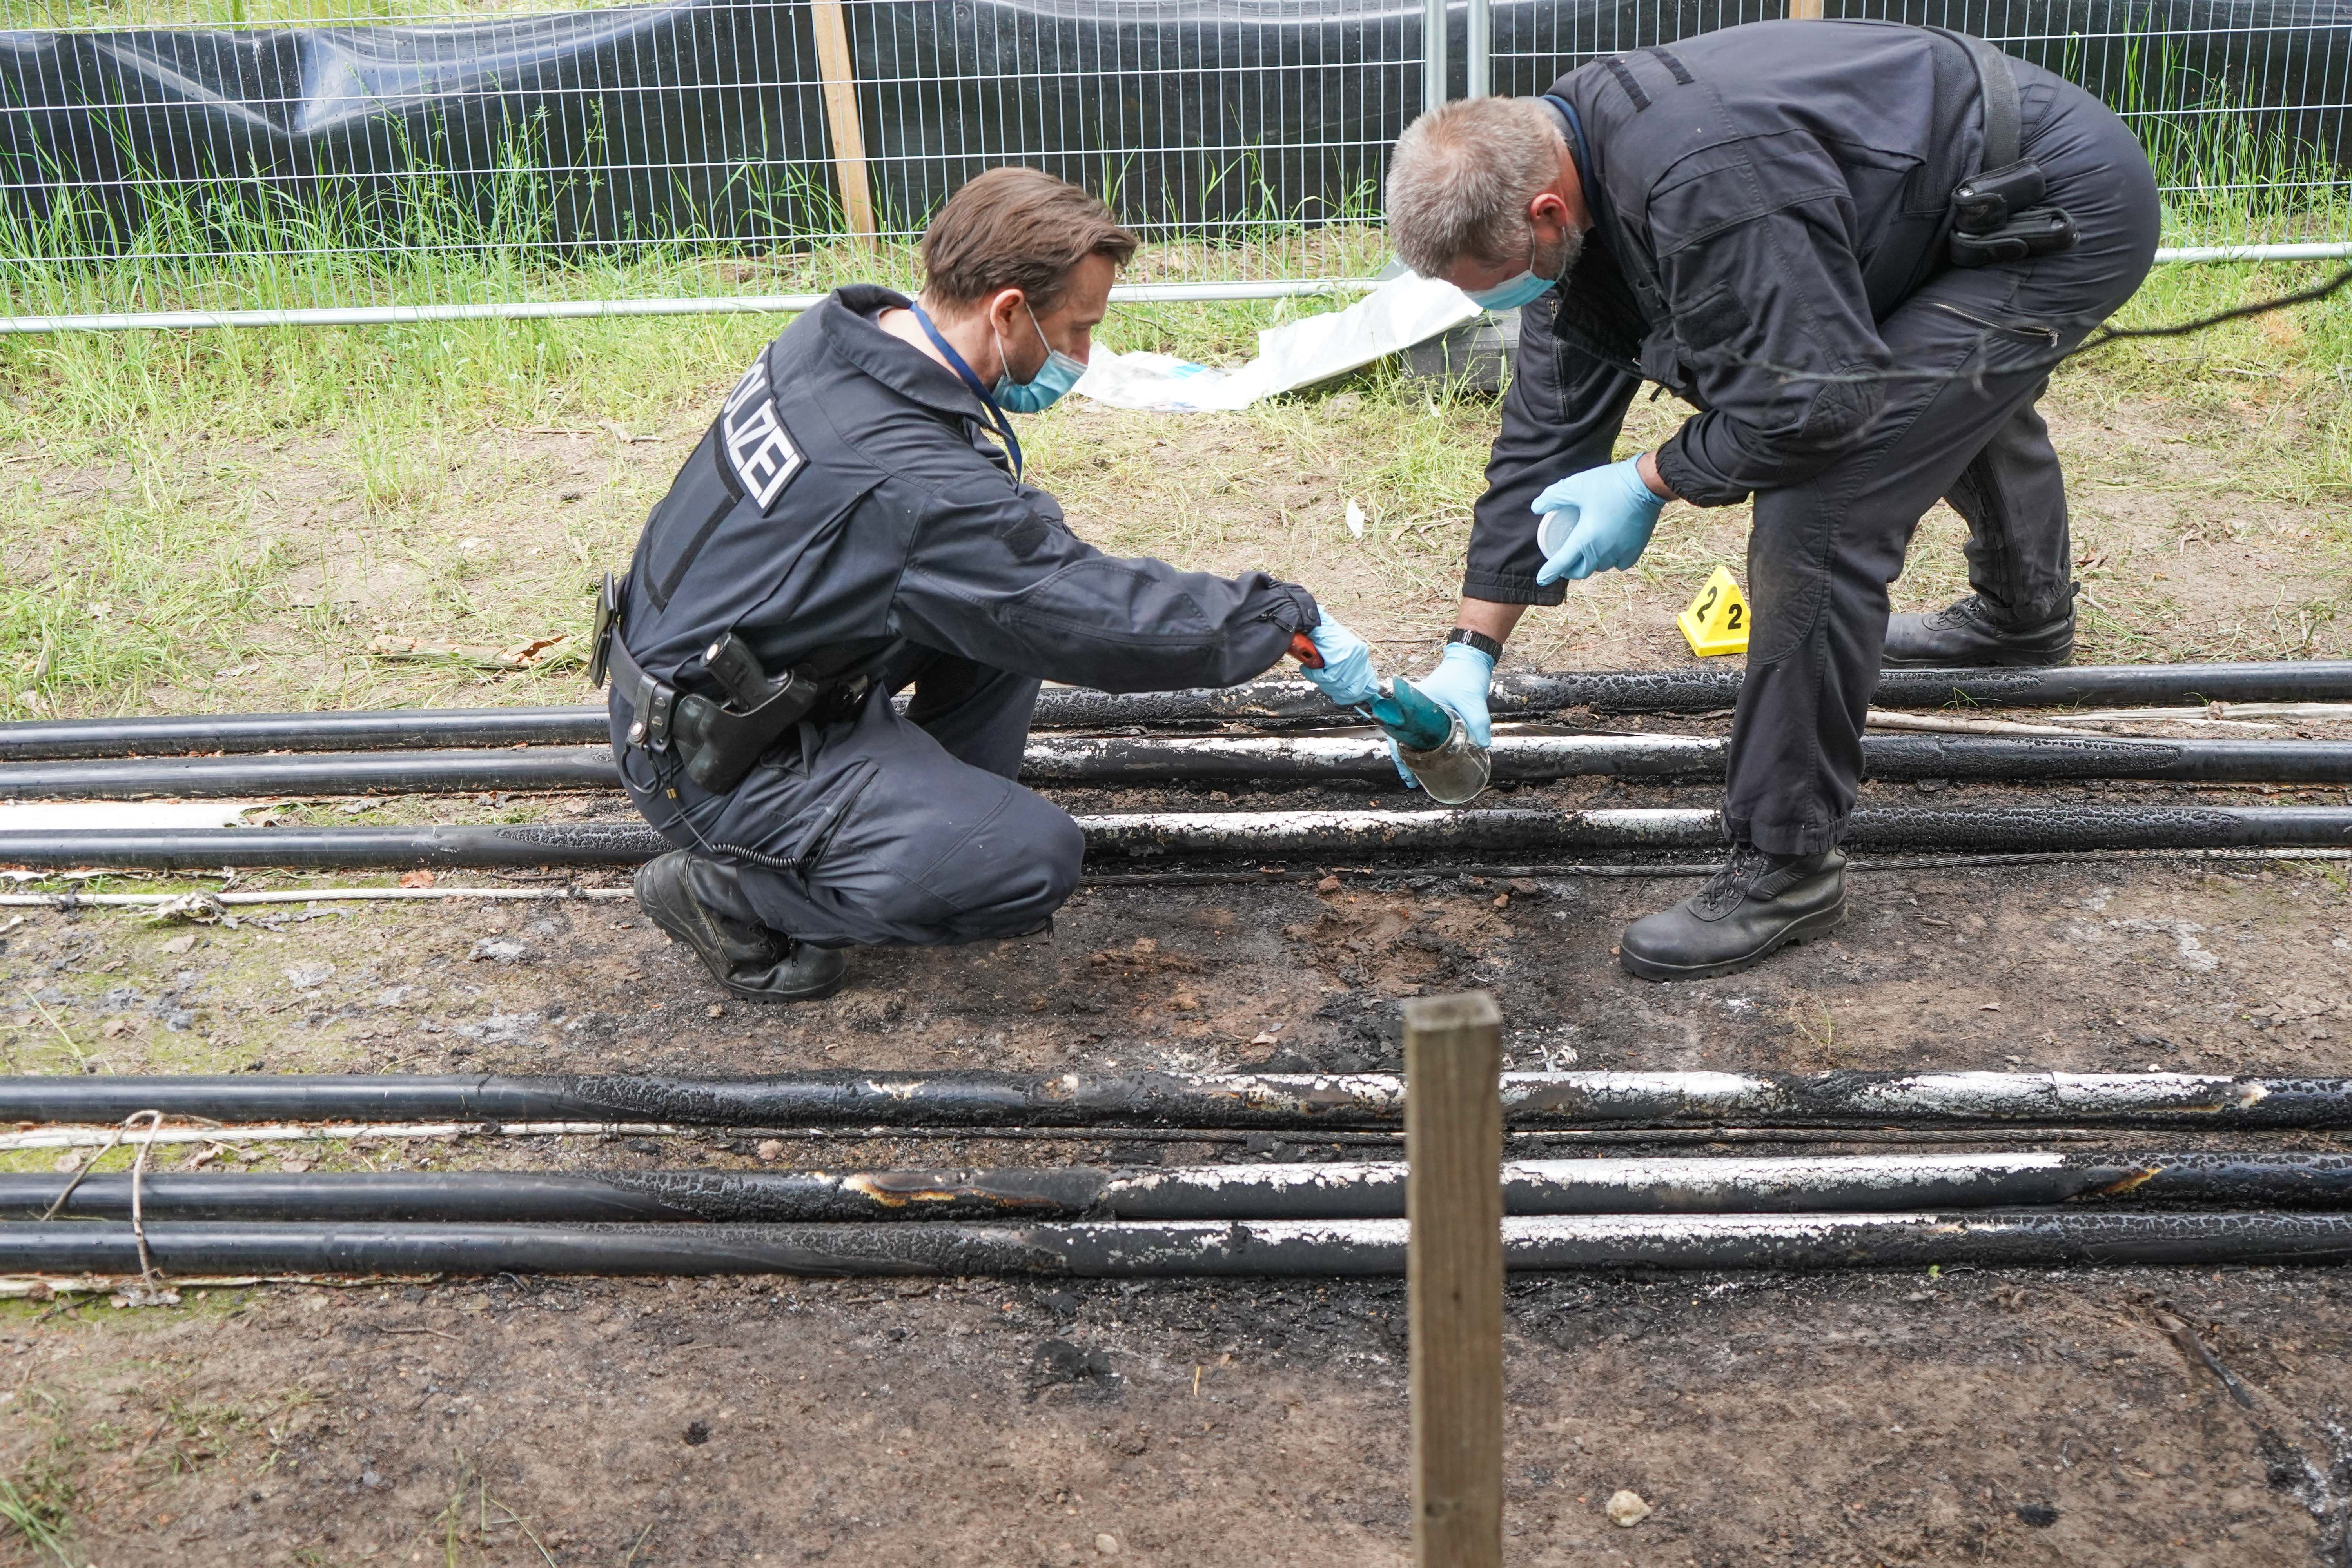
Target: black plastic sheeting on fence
(1178, 1248)
(1269, 1101)
(705, 118)
(1516, 696)
(1230, 835)
(1151, 758)
(1713, 1185)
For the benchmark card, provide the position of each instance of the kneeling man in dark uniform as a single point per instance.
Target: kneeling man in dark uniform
(855, 525)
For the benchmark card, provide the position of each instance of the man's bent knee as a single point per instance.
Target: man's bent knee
(1005, 879)
(1041, 856)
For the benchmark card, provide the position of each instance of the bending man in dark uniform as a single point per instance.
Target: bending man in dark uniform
(1857, 248)
(853, 525)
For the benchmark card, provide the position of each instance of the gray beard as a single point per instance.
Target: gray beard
(1555, 264)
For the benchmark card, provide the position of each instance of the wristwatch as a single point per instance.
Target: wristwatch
(1478, 640)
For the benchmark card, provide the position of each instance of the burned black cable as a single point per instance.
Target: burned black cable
(1982, 1239)
(1650, 1184)
(1109, 1102)
(2098, 339)
(2311, 295)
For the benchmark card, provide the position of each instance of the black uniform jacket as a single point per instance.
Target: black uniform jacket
(847, 508)
(1762, 197)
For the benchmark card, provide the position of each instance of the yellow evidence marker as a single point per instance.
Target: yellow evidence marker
(1716, 621)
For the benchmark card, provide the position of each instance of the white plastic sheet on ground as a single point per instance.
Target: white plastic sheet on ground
(51, 816)
(1400, 313)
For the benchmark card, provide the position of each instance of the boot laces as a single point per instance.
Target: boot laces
(1968, 612)
(1728, 887)
(1977, 613)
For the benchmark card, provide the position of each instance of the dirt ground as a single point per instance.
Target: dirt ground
(2028, 1417)
(1856, 1418)
(1850, 1420)
(310, 543)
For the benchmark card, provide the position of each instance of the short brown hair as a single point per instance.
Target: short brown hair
(1017, 229)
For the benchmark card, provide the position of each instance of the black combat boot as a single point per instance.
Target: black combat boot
(1975, 632)
(699, 901)
(1749, 910)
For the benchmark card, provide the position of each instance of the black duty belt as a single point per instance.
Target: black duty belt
(717, 742)
(653, 704)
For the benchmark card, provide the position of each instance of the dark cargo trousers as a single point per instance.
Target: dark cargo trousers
(1971, 353)
(885, 829)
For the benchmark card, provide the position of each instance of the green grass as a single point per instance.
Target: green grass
(2285, 374)
(37, 1501)
(146, 562)
(66, 1431)
(221, 518)
(109, 590)
(395, 384)
(39, 1517)
(156, 562)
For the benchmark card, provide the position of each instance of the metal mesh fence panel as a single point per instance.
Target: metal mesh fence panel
(2240, 103)
(201, 155)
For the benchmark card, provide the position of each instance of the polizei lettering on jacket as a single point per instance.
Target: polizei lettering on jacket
(758, 445)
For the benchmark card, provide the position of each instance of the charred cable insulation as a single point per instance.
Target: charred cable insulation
(1717, 1185)
(1695, 690)
(1701, 689)
(532, 768)
(1264, 876)
(1180, 1248)
(1320, 758)
(1313, 759)
(1629, 870)
(1255, 835)
(69, 1135)
(1265, 1102)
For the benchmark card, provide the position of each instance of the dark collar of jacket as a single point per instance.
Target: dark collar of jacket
(848, 318)
(1596, 311)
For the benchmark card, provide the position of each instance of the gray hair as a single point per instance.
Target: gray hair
(1461, 180)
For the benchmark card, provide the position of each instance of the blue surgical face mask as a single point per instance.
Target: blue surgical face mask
(1042, 391)
(1513, 293)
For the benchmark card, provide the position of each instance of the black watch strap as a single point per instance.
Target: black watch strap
(1478, 640)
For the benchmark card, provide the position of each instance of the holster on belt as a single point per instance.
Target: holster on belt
(716, 741)
(1998, 213)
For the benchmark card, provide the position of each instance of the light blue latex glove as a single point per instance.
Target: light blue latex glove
(1598, 520)
(1459, 684)
(1346, 677)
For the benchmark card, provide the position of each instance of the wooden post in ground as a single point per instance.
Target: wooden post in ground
(838, 69)
(1454, 1276)
(1804, 10)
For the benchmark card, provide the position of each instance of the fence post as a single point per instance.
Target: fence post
(1434, 74)
(838, 69)
(1454, 1276)
(1478, 43)
(1804, 10)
